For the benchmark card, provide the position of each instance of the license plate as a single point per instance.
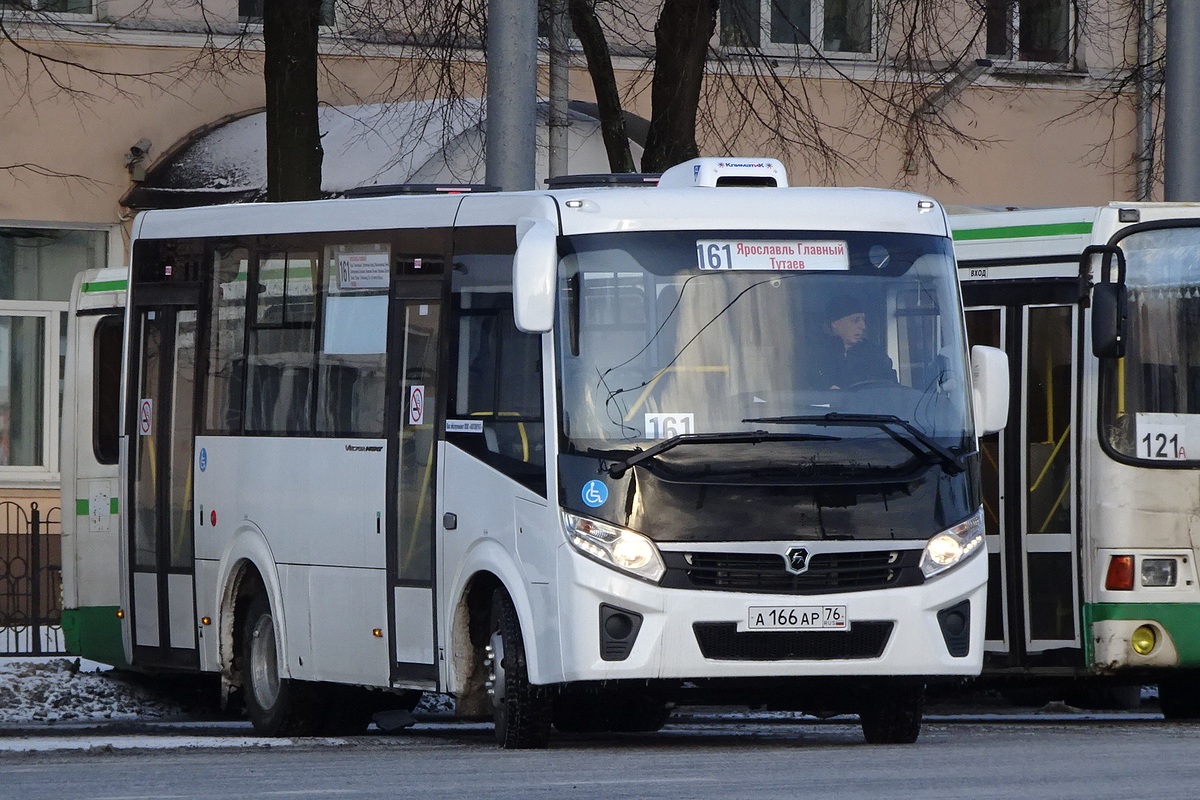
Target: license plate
(797, 618)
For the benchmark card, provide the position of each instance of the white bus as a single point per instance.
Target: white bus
(564, 455)
(1092, 489)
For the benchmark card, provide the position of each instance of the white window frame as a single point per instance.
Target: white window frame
(816, 26)
(1012, 59)
(52, 314)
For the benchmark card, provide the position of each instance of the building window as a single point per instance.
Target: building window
(56, 6)
(252, 11)
(37, 267)
(1029, 30)
(830, 26)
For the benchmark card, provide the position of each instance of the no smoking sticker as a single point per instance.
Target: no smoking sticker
(416, 405)
(146, 417)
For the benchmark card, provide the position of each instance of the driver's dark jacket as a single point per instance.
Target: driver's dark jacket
(834, 365)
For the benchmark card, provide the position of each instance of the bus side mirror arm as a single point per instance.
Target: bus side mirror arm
(534, 270)
(990, 388)
(1110, 302)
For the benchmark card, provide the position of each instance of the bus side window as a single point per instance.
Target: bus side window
(279, 382)
(352, 358)
(497, 372)
(106, 388)
(225, 379)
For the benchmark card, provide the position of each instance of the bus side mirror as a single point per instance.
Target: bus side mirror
(1110, 307)
(534, 270)
(989, 387)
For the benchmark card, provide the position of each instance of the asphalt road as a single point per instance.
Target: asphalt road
(1043, 755)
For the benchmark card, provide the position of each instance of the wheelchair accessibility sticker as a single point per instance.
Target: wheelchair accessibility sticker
(595, 494)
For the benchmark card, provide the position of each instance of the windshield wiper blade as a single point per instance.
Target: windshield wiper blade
(952, 461)
(619, 468)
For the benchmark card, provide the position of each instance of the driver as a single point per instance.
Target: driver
(846, 355)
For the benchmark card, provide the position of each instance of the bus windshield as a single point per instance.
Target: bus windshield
(1150, 399)
(678, 333)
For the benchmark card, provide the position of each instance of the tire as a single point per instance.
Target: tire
(521, 710)
(276, 706)
(893, 716)
(1179, 697)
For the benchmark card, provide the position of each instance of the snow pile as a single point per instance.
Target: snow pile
(59, 690)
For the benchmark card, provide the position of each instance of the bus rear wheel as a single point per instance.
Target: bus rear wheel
(276, 706)
(521, 710)
(893, 715)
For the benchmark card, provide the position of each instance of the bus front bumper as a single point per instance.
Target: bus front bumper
(693, 634)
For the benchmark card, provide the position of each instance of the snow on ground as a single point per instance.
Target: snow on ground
(49, 690)
(68, 690)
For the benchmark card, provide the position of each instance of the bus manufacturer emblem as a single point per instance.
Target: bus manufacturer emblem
(797, 560)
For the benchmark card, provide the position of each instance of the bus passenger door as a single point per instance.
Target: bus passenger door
(412, 471)
(1030, 479)
(161, 546)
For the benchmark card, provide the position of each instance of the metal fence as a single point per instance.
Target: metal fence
(30, 580)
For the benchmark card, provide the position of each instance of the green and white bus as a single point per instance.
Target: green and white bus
(1091, 492)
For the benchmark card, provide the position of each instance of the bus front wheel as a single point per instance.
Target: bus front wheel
(521, 710)
(893, 715)
(276, 705)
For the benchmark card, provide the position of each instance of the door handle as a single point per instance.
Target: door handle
(449, 521)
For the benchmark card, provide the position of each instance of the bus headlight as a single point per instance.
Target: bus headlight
(953, 545)
(615, 547)
(1159, 572)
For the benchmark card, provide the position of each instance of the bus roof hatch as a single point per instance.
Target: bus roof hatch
(766, 172)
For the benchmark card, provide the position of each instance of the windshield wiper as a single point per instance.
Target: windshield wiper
(885, 422)
(619, 468)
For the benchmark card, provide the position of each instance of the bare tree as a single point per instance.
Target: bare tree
(604, 82)
(290, 35)
(681, 46)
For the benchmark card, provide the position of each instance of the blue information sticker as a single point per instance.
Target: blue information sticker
(595, 494)
(203, 459)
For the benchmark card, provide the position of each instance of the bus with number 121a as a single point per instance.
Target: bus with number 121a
(1091, 490)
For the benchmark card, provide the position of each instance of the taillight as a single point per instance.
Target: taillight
(1120, 574)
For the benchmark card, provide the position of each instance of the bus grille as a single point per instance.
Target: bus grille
(723, 642)
(853, 571)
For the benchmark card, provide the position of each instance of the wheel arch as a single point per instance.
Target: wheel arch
(247, 569)
(469, 630)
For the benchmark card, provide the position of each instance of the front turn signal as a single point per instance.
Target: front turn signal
(1120, 574)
